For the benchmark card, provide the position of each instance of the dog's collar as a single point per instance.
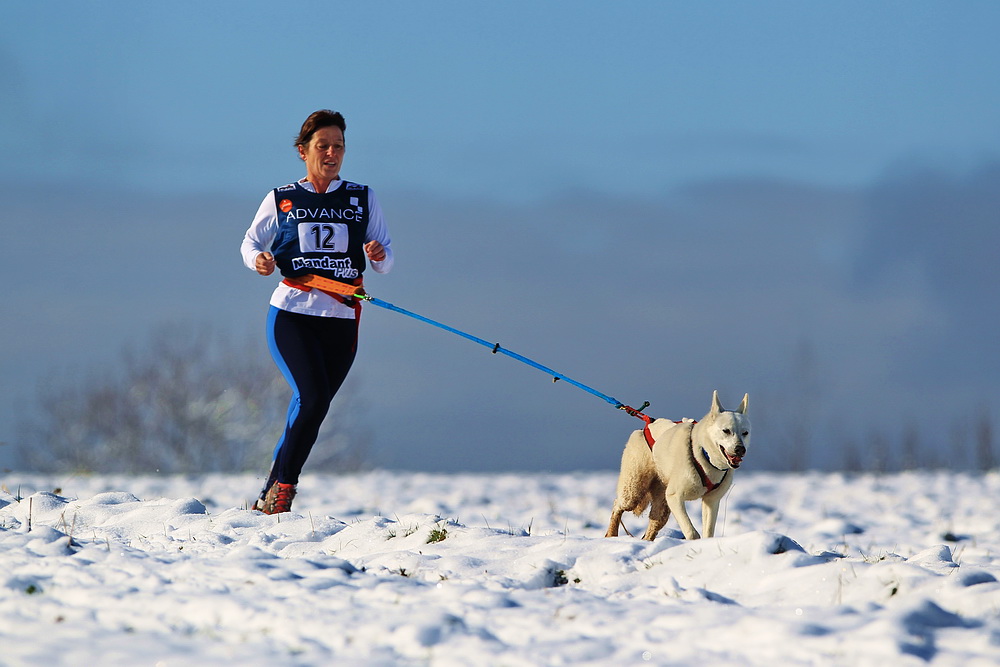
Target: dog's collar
(709, 459)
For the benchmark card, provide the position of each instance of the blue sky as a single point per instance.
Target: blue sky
(177, 95)
(804, 160)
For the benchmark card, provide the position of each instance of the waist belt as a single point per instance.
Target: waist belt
(342, 292)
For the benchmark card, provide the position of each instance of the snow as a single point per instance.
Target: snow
(808, 569)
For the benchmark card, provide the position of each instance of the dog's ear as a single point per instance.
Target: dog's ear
(716, 405)
(743, 406)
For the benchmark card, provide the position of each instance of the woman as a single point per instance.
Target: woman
(319, 226)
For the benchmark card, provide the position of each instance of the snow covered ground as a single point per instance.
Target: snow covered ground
(390, 568)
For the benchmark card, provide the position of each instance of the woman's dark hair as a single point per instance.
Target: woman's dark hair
(318, 120)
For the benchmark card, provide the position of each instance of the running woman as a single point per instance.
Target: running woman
(320, 226)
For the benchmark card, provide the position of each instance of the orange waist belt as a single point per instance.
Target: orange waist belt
(342, 292)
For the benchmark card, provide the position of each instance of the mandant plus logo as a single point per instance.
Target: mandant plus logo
(340, 268)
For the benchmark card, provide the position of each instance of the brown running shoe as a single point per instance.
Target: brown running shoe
(278, 499)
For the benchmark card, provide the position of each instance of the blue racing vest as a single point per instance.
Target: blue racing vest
(323, 233)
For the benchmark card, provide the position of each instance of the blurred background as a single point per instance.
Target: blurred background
(658, 199)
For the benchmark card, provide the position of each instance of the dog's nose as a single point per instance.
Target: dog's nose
(741, 451)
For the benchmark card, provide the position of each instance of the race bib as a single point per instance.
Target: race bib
(323, 237)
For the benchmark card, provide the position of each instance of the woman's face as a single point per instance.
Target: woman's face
(324, 154)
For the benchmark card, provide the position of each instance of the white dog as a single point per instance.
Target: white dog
(668, 463)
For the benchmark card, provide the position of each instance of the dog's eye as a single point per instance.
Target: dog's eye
(746, 433)
(727, 431)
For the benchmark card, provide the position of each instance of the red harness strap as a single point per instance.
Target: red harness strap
(709, 484)
(650, 440)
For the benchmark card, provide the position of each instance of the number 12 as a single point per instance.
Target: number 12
(326, 242)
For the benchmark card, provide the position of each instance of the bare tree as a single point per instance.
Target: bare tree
(852, 458)
(880, 453)
(189, 402)
(798, 431)
(910, 458)
(985, 455)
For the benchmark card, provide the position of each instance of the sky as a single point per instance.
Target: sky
(658, 199)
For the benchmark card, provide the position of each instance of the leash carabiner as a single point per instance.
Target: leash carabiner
(639, 414)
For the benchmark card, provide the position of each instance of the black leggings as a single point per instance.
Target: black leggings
(314, 354)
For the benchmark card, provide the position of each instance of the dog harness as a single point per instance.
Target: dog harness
(650, 440)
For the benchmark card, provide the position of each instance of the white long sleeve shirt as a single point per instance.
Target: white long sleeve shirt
(264, 229)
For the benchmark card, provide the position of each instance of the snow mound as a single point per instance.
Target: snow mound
(393, 568)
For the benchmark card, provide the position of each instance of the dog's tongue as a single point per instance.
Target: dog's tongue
(733, 460)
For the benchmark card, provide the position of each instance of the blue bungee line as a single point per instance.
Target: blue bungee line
(495, 347)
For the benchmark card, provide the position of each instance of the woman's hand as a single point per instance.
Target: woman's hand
(375, 251)
(264, 264)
